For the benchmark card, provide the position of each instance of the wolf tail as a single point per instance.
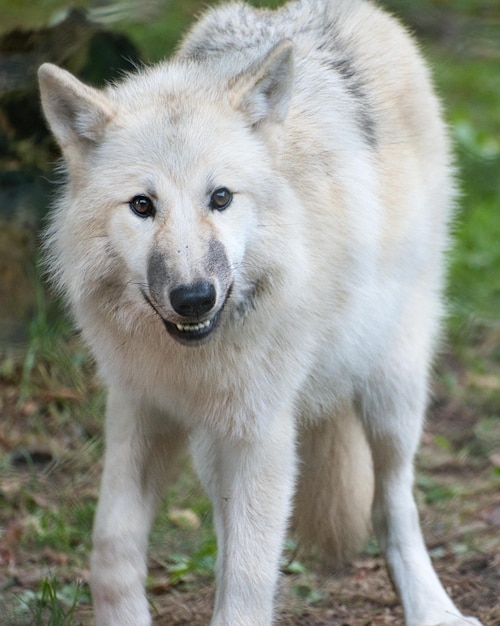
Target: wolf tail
(334, 489)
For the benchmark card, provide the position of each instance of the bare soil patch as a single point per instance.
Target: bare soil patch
(50, 466)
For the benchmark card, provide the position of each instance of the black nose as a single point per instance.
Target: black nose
(193, 300)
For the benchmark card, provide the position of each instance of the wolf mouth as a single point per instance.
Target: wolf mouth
(189, 333)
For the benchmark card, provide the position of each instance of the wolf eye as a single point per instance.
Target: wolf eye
(142, 206)
(220, 199)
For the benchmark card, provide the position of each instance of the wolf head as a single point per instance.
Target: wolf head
(172, 183)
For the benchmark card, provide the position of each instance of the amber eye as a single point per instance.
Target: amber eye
(142, 206)
(220, 199)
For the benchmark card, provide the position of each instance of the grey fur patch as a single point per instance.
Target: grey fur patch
(342, 60)
(157, 275)
(249, 297)
(216, 263)
(364, 117)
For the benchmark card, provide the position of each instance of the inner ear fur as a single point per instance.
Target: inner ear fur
(263, 92)
(76, 113)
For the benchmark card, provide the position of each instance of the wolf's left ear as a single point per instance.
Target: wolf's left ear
(77, 114)
(263, 92)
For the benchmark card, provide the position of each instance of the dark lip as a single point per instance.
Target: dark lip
(192, 337)
(189, 337)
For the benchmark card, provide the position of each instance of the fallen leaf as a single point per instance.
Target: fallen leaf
(13, 534)
(160, 585)
(57, 558)
(184, 518)
(29, 407)
(6, 556)
(495, 459)
(493, 516)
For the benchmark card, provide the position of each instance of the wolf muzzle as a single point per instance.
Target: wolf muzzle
(190, 311)
(194, 303)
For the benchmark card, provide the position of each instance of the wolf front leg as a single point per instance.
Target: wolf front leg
(138, 463)
(393, 409)
(251, 486)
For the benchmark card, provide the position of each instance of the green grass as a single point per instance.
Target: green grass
(64, 528)
(49, 605)
(471, 91)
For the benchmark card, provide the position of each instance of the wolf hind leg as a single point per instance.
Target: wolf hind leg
(393, 405)
(334, 491)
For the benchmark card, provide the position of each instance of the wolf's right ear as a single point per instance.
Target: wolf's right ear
(77, 114)
(263, 92)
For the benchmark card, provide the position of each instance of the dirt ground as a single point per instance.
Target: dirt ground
(459, 499)
(463, 537)
(462, 534)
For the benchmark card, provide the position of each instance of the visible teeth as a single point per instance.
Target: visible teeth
(193, 327)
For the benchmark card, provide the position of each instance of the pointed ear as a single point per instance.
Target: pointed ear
(77, 114)
(263, 92)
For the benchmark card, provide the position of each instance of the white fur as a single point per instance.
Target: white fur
(321, 119)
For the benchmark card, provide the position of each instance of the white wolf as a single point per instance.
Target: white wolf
(251, 238)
